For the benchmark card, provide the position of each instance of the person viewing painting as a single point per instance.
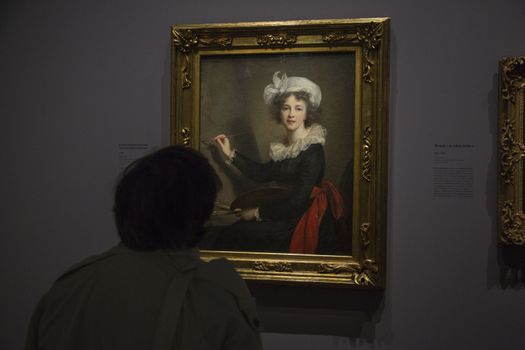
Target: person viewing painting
(308, 218)
(152, 290)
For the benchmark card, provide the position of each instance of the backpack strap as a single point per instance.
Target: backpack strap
(171, 310)
(221, 272)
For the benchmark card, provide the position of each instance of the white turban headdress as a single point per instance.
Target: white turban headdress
(286, 84)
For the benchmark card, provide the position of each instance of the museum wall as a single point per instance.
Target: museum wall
(81, 80)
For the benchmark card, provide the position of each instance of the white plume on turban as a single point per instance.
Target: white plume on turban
(286, 84)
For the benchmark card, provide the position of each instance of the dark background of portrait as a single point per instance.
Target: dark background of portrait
(79, 77)
(232, 103)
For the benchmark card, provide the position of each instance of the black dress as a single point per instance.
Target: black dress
(273, 233)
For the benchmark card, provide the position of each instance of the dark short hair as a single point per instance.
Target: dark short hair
(312, 115)
(163, 200)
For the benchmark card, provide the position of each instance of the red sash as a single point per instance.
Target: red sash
(306, 233)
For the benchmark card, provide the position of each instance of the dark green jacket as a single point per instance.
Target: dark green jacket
(125, 299)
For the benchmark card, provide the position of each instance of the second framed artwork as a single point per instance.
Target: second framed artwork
(293, 117)
(511, 151)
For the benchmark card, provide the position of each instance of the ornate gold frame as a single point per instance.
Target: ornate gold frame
(511, 151)
(369, 38)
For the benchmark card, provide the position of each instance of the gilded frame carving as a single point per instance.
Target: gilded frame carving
(368, 40)
(511, 151)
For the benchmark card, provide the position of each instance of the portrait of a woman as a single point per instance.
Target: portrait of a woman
(307, 219)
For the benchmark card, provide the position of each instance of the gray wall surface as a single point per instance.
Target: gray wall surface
(78, 78)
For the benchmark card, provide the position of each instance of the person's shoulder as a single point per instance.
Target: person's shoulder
(220, 272)
(87, 262)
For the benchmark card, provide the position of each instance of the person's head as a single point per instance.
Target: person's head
(288, 93)
(163, 199)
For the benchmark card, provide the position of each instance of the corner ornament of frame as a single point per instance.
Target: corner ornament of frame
(511, 82)
(361, 274)
(185, 41)
(512, 225)
(369, 35)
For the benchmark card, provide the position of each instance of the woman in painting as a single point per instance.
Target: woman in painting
(304, 220)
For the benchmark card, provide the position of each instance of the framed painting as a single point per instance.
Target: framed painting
(293, 117)
(511, 151)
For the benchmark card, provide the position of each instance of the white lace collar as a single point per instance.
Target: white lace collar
(279, 151)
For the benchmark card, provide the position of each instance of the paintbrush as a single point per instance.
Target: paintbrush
(211, 141)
